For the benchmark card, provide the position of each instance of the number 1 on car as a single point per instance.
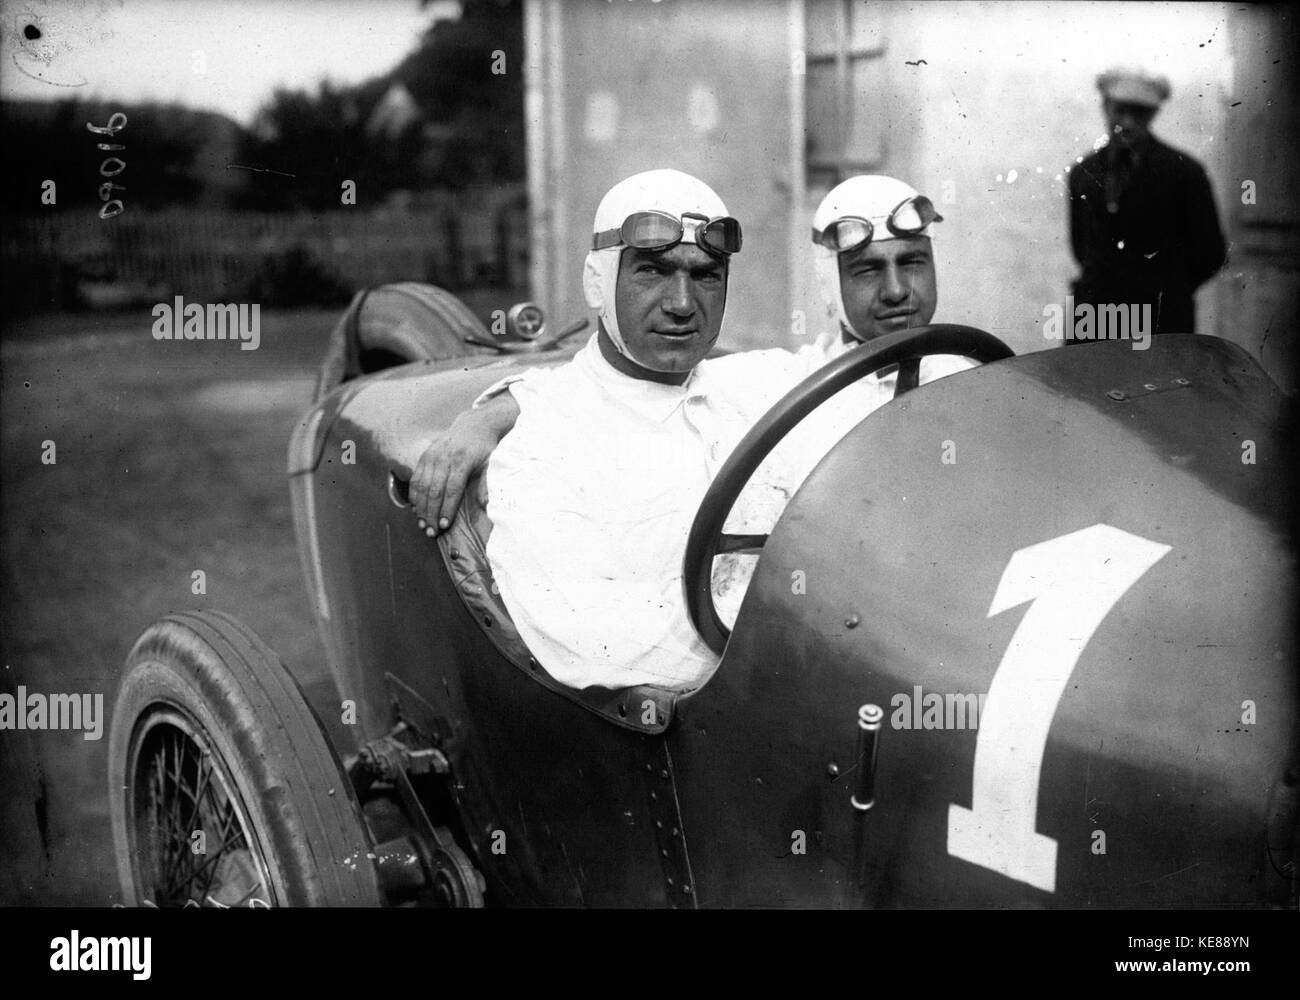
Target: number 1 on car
(1073, 582)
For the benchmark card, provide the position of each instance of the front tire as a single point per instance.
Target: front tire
(223, 790)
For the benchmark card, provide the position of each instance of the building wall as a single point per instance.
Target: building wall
(1260, 289)
(983, 106)
(1004, 103)
(700, 85)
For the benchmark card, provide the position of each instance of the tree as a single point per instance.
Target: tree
(468, 130)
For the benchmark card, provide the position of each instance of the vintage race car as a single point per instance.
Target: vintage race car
(1023, 638)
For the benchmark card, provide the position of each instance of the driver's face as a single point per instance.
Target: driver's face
(669, 305)
(888, 285)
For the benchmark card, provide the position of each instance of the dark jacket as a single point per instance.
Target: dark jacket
(1149, 235)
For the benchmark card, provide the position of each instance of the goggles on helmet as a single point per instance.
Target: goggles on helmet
(660, 231)
(908, 218)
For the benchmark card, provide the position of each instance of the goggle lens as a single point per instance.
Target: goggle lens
(721, 235)
(647, 231)
(912, 216)
(848, 234)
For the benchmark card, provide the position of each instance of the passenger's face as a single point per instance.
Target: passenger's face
(888, 285)
(1127, 123)
(669, 305)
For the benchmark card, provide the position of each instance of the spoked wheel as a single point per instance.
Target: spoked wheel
(223, 788)
(195, 845)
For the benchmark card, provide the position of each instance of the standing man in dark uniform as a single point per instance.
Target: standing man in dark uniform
(1142, 219)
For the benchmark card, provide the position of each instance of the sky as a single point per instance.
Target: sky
(218, 55)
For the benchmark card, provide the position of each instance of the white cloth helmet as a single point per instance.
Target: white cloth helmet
(869, 196)
(668, 191)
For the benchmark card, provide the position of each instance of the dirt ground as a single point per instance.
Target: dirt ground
(169, 458)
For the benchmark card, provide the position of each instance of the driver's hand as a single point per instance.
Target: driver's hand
(451, 460)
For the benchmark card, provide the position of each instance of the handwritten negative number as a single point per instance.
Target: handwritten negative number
(1073, 582)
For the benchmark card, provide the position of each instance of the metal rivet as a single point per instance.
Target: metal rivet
(833, 769)
(670, 880)
(532, 664)
(852, 621)
(1182, 381)
(664, 775)
(1116, 394)
(663, 851)
(649, 767)
(455, 553)
(686, 889)
(659, 824)
(676, 832)
(1149, 386)
(653, 796)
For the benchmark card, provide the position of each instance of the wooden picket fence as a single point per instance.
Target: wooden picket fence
(455, 241)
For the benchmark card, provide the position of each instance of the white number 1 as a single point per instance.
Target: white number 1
(1073, 581)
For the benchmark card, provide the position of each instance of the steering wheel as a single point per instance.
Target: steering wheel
(707, 540)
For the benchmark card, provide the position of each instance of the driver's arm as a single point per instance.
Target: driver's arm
(455, 456)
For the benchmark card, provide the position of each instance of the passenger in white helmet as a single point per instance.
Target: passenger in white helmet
(874, 259)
